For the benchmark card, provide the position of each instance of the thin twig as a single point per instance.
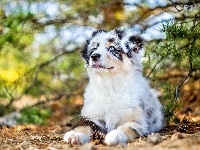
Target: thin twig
(178, 87)
(154, 67)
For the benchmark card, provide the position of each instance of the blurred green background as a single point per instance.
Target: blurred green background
(40, 43)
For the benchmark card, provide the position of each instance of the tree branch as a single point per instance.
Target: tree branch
(191, 70)
(178, 87)
(154, 67)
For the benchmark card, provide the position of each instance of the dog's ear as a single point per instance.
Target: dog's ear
(137, 43)
(134, 44)
(84, 52)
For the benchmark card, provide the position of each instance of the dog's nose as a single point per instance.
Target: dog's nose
(95, 57)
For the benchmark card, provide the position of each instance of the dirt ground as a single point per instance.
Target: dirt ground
(182, 136)
(50, 137)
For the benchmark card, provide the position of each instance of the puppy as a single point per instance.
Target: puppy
(119, 105)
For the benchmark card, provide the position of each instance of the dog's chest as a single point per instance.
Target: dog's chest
(112, 110)
(110, 101)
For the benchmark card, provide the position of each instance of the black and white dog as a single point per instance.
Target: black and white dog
(118, 101)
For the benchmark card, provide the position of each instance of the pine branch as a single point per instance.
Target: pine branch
(191, 70)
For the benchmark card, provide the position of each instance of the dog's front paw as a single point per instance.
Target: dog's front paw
(116, 137)
(76, 138)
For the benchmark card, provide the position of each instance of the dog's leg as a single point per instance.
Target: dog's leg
(125, 133)
(83, 131)
(79, 135)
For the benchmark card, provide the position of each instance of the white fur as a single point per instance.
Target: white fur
(120, 96)
(76, 137)
(116, 137)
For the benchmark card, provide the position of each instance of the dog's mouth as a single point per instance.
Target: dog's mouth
(97, 66)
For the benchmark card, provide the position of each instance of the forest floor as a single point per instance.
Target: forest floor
(184, 136)
(176, 137)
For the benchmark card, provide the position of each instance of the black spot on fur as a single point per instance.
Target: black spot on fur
(97, 32)
(111, 40)
(84, 52)
(129, 54)
(127, 45)
(120, 33)
(138, 41)
(142, 105)
(150, 112)
(154, 121)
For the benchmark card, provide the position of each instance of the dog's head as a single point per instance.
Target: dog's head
(112, 52)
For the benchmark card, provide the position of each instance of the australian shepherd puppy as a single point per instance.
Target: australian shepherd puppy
(119, 105)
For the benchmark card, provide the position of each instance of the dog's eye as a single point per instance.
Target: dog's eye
(111, 48)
